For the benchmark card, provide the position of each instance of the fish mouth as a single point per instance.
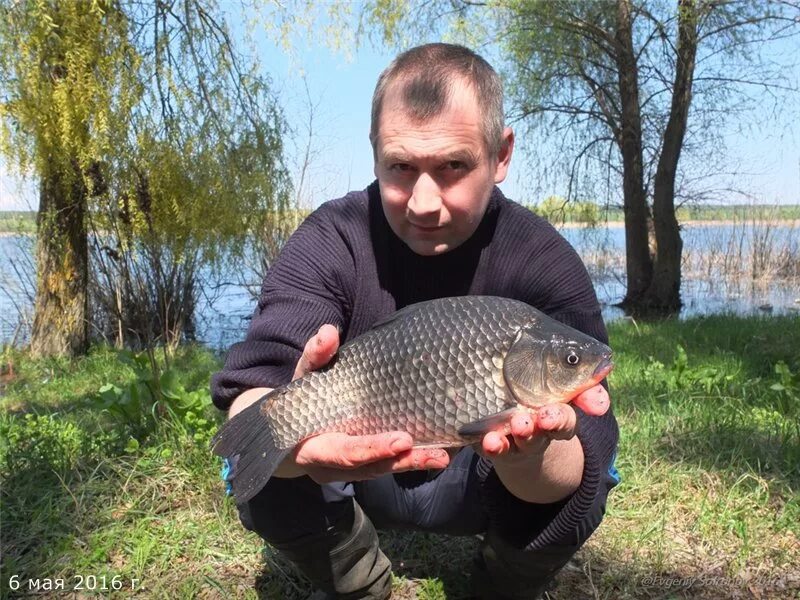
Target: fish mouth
(600, 371)
(604, 368)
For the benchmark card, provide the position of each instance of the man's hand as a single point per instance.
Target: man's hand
(531, 433)
(537, 456)
(340, 457)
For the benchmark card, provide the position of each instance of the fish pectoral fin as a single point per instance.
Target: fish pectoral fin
(487, 424)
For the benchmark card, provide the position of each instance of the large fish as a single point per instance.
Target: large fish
(446, 371)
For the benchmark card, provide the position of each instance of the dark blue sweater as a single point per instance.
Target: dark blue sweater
(344, 265)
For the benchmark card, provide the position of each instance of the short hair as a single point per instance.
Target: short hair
(427, 74)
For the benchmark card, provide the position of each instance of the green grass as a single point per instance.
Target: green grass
(709, 455)
(708, 506)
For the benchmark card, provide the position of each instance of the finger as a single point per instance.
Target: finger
(594, 401)
(318, 351)
(494, 444)
(342, 451)
(522, 425)
(557, 421)
(524, 436)
(419, 458)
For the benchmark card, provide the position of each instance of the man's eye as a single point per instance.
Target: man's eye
(456, 165)
(402, 167)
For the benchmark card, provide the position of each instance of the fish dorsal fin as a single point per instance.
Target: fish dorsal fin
(401, 314)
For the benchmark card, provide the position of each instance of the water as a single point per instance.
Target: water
(222, 318)
(708, 286)
(223, 321)
(16, 287)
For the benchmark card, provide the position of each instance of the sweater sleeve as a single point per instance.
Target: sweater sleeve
(304, 289)
(558, 284)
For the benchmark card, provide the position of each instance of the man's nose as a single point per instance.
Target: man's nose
(426, 196)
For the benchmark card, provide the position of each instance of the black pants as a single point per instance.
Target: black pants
(292, 512)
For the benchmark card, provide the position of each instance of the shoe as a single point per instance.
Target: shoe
(506, 584)
(346, 562)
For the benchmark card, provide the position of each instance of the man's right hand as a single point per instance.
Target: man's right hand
(331, 457)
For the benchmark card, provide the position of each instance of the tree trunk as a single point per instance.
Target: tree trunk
(663, 295)
(60, 326)
(639, 266)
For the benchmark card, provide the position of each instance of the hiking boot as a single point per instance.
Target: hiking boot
(501, 571)
(345, 562)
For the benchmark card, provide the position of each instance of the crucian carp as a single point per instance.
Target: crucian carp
(446, 371)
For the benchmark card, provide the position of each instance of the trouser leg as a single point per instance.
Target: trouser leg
(324, 532)
(510, 563)
(453, 504)
(501, 570)
(457, 503)
(319, 528)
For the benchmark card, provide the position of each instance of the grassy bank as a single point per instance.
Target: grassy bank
(560, 212)
(708, 506)
(577, 213)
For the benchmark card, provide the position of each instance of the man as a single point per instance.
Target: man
(433, 225)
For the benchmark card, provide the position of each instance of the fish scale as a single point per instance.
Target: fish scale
(424, 356)
(445, 371)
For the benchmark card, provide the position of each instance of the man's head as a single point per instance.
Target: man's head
(439, 144)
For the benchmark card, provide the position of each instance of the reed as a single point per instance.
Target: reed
(751, 252)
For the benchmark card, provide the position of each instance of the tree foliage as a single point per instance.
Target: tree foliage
(61, 66)
(65, 71)
(613, 93)
(170, 132)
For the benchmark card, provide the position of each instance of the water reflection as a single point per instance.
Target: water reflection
(705, 297)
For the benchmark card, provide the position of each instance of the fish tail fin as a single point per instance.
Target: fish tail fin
(247, 442)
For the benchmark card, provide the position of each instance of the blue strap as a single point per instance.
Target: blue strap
(612, 470)
(226, 474)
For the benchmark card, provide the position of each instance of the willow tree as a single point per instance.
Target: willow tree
(62, 65)
(615, 92)
(156, 144)
(203, 173)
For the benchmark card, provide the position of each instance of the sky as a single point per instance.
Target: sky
(340, 87)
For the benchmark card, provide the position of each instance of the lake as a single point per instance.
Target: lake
(741, 268)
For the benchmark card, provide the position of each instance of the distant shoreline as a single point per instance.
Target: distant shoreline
(13, 234)
(608, 224)
(689, 223)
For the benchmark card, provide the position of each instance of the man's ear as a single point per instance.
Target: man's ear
(504, 155)
(373, 142)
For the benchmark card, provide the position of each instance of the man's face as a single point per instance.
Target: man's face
(436, 177)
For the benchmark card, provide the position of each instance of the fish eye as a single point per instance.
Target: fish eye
(572, 358)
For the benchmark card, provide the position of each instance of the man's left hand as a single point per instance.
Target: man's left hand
(528, 434)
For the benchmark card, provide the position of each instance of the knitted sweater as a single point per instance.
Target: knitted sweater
(345, 266)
